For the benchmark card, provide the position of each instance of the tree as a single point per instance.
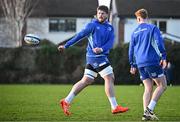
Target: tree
(16, 13)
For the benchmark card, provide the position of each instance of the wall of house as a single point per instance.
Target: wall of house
(173, 27)
(40, 26)
(6, 34)
(130, 25)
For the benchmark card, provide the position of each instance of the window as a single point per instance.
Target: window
(66, 25)
(53, 25)
(161, 25)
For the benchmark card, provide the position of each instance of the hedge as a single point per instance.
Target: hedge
(45, 64)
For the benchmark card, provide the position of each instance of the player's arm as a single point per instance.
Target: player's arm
(160, 43)
(109, 44)
(83, 33)
(86, 31)
(131, 56)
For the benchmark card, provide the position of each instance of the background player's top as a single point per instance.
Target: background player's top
(146, 47)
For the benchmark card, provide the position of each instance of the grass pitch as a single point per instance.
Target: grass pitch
(41, 103)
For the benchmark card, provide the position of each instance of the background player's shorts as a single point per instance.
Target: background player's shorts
(150, 72)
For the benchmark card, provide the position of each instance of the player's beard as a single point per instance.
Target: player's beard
(102, 19)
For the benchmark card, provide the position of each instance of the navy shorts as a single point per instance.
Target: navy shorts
(97, 62)
(150, 72)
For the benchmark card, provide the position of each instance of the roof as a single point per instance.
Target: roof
(66, 8)
(155, 8)
(87, 8)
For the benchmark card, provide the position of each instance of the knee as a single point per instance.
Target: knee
(148, 90)
(163, 87)
(87, 81)
(109, 78)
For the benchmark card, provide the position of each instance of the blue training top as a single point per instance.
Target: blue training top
(99, 35)
(146, 47)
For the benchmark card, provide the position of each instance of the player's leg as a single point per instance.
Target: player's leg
(148, 86)
(148, 115)
(109, 90)
(159, 78)
(148, 89)
(76, 89)
(156, 73)
(161, 87)
(87, 79)
(108, 76)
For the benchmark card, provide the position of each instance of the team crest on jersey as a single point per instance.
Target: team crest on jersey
(109, 28)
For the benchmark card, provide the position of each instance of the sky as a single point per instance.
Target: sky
(104, 2)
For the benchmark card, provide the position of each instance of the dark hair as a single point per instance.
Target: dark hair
(103, 8)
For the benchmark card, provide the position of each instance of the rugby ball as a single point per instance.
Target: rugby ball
(32, 39)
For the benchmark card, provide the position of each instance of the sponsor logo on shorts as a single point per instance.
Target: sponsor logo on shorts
(153, 74)
(95, 64)
(101, 64)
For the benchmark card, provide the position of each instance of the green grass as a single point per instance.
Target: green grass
(40, 103)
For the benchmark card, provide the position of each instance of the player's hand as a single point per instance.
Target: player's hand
(97, 50)
(163, 63)
(61, 48)
(133, 70)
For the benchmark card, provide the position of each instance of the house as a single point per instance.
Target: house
(163, 13)
(55, 20)
(59, 20)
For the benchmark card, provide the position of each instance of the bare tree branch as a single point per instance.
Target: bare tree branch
(16, 13)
